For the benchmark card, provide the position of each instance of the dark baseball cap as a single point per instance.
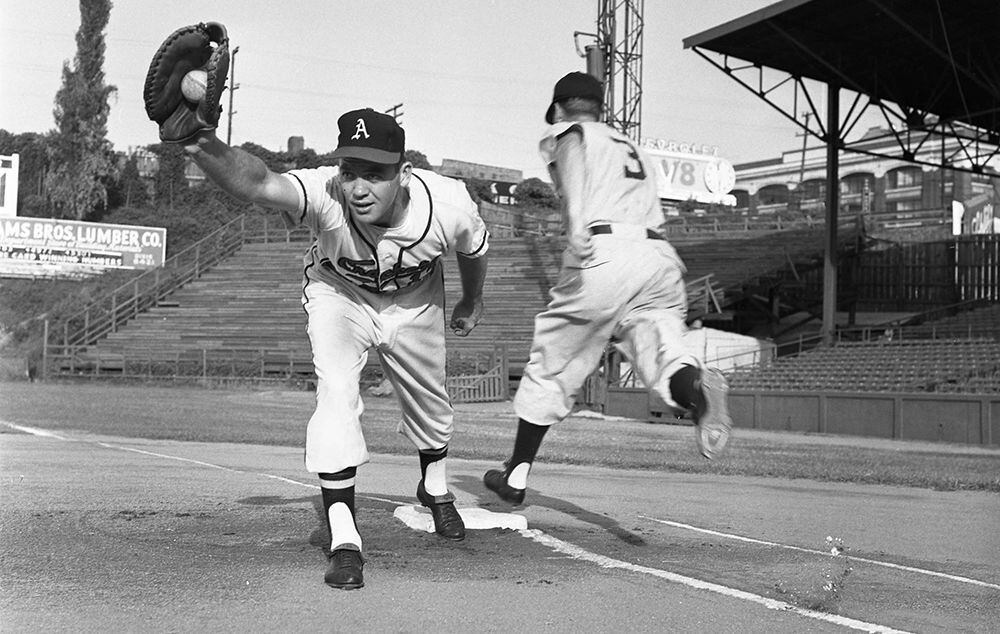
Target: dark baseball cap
(572, 85)
(370, 136)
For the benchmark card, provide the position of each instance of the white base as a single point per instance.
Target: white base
(419, 518)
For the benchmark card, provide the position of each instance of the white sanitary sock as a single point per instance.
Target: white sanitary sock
(436, 478)
(342, 528)
(518, 477)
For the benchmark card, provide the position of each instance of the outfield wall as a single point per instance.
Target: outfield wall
(962, 418)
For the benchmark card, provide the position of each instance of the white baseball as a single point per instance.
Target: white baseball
(193, 85)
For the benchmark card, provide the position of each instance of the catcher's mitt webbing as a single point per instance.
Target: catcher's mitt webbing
(204, 46)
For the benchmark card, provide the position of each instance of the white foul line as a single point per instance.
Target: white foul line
(35, 431)
(874, 562)
(772, 604)
(257, 473)
(555, 544)
(47, 434)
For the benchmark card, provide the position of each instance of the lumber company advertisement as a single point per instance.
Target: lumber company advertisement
(49, 247)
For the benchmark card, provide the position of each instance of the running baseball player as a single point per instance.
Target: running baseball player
(620, 281)
(372, 280)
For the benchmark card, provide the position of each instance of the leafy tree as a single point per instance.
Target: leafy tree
(275, 161)
(687, 207)
(284, 161)
(81, 156)
(307, 158)
(418, 159)
(33, 158)
(322, 159)
(129, 189)
(535, 193)
(170, 186)
(214, 206)
(480, 189)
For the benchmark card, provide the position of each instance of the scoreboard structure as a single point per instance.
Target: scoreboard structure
(690, 171)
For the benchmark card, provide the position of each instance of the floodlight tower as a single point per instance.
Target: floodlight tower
(617, 59)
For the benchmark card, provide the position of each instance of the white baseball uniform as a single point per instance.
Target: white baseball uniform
(369, 287)
(631, 292)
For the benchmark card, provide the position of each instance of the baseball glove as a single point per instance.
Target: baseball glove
(204, 46)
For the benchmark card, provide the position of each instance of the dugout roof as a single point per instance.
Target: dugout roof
(928, 66)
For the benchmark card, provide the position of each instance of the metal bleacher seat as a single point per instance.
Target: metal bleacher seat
(880, 366)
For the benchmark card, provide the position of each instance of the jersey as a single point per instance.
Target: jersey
(620, 184)
(631, 292)
(441, 218)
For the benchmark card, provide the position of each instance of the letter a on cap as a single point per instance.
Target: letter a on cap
(367, 135)
(360, 129)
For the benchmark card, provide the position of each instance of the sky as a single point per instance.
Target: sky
(474, 76)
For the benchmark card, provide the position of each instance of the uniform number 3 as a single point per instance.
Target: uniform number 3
(633, 166)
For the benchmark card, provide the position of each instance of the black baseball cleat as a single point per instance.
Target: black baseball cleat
(344, 571)
(496, 481)
(447, 521)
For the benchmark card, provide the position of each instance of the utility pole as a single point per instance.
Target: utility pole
(802, 165)
(395, 112)
(233, 86)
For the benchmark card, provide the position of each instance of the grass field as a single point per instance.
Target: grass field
(486, 431)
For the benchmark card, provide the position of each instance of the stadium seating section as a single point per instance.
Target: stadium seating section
(249, 306)
(981, 322)
(909, 365)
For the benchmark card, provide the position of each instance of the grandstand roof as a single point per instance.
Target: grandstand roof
(937, 56)
(928, 67)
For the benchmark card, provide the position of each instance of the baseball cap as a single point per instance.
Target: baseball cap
(575, 84)
(370, 136)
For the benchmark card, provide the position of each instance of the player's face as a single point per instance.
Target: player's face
(372, 190)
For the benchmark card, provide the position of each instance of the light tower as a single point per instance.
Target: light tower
(617, 59)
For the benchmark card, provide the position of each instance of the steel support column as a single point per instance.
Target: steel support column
(832, 208)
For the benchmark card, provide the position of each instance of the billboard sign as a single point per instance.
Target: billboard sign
(982, 220)
(974, 216)
(50, 247)
(8, 185)
(689, 171)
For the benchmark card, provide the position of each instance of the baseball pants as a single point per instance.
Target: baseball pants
(632, 293)
(406, 330)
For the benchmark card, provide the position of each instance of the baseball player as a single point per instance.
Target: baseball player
(372, 281)
(620, 281)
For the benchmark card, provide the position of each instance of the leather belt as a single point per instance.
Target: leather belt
(599, 229)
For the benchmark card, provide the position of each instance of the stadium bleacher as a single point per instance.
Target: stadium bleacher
(250, 303)
(908, 365)
(978, 322)
(248, 307)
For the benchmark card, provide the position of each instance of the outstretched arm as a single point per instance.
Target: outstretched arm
(469, 310)
(242, 174)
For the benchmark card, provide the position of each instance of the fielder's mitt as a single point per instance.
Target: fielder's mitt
(204, 46)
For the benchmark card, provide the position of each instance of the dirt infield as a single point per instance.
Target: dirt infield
(104, 532)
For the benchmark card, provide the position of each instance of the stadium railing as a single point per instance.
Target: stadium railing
(63, 339)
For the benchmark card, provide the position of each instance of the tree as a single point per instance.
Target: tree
(130, 190)
(170, 186)
(535, 193)
(418, 159)
(480, 189)
(323, 159)
(275, 161)
(687, 207)
(32, 150)
(82, 160)
(307, 158)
